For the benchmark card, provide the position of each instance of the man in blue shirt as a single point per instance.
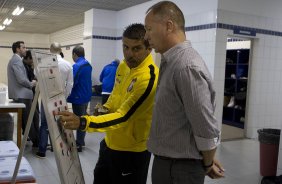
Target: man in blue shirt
(82, 89)
(107, 77)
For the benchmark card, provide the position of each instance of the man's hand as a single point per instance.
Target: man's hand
(33, 83)
(100, 110)
(216, 170)
(69, 120)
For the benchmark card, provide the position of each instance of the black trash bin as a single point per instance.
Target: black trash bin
(269, 148)
(6, 127)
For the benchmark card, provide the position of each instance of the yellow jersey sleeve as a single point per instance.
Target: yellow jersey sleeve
(137, 95)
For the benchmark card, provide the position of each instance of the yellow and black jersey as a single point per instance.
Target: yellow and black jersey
(131, 102)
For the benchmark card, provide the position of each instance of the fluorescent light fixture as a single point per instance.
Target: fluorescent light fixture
(7, 21)
(2, 27)
(18, 11)
(10, 21)
(21, 10)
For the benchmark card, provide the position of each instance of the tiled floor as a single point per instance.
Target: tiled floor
(240, 159)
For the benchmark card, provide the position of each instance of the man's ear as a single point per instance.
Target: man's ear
(170, 26)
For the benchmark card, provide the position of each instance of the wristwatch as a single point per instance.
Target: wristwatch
(83, 123)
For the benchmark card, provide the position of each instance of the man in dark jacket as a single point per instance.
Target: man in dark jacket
(107, 78)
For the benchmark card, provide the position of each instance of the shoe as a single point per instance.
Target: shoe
(35, 145)
(229, 60)
(242, 119)
(79, 148)
(231, 102)
(83, 144)
(40, 155)
(49, 147)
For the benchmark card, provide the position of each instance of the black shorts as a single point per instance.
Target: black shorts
(121, 166)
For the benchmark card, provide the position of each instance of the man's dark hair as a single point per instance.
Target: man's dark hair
(28, 55)
(62, 54)
(136, 32)
(16, 45)
(79, 51)
(168, 9)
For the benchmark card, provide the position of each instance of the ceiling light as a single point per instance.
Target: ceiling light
(10, 21)
(21, 10)
(2, 27)
(18, 11)
(7, 21)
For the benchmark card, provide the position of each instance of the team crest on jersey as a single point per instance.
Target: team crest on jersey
(117, 80)
(130, 87)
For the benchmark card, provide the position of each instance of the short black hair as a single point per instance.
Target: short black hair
(79, 51)
(136, 31)
(28, 55)
(16, 45)
(62, 54)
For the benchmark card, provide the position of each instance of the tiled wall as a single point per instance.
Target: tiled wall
(265, 79)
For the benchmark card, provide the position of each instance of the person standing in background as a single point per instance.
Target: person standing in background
(107, 78)
(66, 75)
(184, 133)
(28, 64)
(82, 89)
(20, 88)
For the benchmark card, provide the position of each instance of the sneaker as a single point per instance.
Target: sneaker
(35, 145)
(83, 144)
(231, 102)
(40, 155)
(79, 148)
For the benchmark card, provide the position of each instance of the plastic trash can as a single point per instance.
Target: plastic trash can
(269, 148)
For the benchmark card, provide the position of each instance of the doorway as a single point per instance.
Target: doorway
(237, 62)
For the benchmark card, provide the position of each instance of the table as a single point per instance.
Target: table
(15, 108)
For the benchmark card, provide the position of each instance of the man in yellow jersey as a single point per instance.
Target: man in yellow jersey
(123, 156)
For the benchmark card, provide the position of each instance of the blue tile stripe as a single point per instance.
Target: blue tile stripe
(8, 47)
(100, 37)
(190, 28)
(203, 27)
(257, 30)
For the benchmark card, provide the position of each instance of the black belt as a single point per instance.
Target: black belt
(180, 159)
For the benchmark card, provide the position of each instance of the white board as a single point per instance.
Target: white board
(52, 95)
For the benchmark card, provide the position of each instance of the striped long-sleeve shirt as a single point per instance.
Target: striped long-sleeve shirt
(184, 122)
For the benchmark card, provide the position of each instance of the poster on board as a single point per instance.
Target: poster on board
(53, 99)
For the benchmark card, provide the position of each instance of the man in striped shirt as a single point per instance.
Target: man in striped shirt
(184, 133)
